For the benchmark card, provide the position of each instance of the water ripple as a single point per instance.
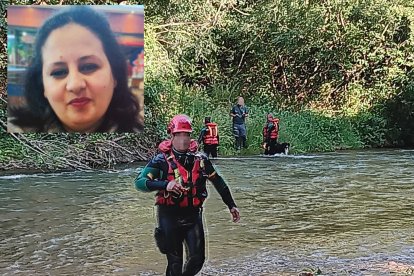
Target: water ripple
(346, 213)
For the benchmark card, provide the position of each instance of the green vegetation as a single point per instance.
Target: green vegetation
(338, 74)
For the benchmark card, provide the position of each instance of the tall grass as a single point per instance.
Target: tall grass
(305, 130)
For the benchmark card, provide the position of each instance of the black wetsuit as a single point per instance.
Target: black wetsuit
(180, 225)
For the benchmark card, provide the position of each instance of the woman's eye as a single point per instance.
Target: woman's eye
(88, 68)
(59, 73)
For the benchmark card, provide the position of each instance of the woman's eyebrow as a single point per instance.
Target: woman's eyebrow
(58, 63)
(88, 57)
(82, 59)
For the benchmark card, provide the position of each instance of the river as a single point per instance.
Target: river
(344, 213)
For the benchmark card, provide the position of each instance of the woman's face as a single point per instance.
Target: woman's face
(77, 77)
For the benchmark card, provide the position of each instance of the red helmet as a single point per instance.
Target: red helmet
(179, 123)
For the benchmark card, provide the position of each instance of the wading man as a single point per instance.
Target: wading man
(178, 175)
(209, 137)
(270, 134)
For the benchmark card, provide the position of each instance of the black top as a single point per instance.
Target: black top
(240, 111)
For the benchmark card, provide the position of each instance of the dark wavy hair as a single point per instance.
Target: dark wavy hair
(123, 109)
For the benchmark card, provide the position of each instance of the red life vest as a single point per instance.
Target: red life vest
(275, 131)
(192, 180)
(211, 136)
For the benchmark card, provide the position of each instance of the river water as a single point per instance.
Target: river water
(344, 213)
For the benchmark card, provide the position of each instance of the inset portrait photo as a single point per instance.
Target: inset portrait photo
(75, 69)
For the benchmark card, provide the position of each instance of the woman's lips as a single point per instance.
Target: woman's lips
(79, 102)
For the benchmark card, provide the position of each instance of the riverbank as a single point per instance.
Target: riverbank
(63, 152)
(306, 131)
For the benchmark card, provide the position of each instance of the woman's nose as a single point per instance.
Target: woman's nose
(75, 82)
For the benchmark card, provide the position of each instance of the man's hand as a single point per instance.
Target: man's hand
(175, 187)
(235, 214)
(264, 146)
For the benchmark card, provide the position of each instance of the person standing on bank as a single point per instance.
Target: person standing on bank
(270, 134)
(178, 174)
(239, 112)
(209, 137)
